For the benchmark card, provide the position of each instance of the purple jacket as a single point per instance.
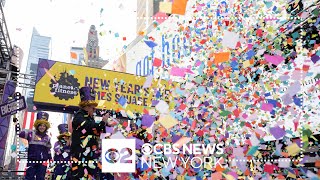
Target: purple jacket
(39, 145)
(61, 152)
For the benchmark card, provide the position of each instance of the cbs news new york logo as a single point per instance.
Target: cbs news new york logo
(118, 155)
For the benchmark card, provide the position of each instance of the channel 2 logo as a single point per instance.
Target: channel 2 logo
(118, 155)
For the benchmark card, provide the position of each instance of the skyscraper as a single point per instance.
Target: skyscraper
(39, 48)
(92, 48)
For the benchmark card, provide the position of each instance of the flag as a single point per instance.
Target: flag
(21, 166)
(28, 120)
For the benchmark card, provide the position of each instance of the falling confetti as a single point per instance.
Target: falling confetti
(246, 74)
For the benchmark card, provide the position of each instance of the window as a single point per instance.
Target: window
(33, 68)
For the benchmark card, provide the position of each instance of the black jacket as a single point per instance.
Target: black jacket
(86, 133)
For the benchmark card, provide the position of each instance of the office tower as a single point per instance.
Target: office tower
(92, 49)
(39, 48)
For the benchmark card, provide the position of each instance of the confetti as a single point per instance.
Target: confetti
(122, 101)
(276, 60)
(147, 120)
(157, 62)
(238, 73)
(230, 39)
(293, 149)
(167, 121)
(162, 107)
(148, 82)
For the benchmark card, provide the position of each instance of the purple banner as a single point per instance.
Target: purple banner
(13, 106)
(9, 90)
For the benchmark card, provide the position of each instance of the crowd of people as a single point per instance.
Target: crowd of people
(76, 153)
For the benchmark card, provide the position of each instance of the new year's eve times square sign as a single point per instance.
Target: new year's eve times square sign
(58, 84)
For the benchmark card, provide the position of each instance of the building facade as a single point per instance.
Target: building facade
(77, 55)
(39, 48)
(92, 49)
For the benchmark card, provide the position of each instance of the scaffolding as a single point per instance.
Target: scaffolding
(5, 54)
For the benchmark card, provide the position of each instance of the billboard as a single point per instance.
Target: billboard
(57, 88)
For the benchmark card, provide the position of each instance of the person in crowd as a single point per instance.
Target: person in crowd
(85, 135)
(62, 157)
(39, 151)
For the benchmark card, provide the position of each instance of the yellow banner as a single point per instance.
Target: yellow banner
(59, 83)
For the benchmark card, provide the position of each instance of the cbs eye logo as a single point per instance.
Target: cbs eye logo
(118, 155)
(114, 156)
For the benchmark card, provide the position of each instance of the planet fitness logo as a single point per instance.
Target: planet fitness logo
(66, 87)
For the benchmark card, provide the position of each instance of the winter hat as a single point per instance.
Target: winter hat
(63, 131)
(42, 118)
(87, 97)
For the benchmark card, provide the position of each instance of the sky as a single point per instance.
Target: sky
(68, 23)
